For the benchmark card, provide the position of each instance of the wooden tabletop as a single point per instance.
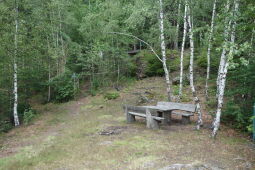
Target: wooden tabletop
(160, 108)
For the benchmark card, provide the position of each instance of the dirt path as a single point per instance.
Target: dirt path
(91, 133)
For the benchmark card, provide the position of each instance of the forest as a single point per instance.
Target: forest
(58, 51)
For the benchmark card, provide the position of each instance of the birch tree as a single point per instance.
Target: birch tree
(227, 24)
(191, 66)
(182, 48)
(224, 70)
(15, 68)
(209, 49)
(163, 50)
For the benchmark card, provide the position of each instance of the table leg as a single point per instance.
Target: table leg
(167, 117)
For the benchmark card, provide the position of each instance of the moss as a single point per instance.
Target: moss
(111, 95)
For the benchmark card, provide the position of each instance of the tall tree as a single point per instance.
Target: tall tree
(227, 24)
(191, 68)
(224, 70)
(163, 50)
(209, 49)
(15, 68)
(183, 48)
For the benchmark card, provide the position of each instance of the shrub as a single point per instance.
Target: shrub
(29, 114)
(65, 93)
(63, 87)
(147, 64)
(111, 95)
(5, 126)
(201, 60)
(22, 107)
(175, 89)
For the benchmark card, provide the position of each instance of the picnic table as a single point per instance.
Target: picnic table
(161, 113)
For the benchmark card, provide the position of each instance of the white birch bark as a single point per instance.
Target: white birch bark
(163, 50)
(182, 49)
(224, 51)
(209, 49)
(177, 26)
(197, 101)
(224, 71)
(15, 69)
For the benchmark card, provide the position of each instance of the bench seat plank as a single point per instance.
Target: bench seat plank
(144, 115)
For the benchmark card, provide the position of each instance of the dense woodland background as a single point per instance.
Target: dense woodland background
(63, 46)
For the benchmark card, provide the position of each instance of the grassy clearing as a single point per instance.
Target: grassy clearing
(67, 136)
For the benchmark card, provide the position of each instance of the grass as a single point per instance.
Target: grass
(67, 136)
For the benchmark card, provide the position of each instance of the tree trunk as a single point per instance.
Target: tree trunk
(224, 51)
(222, 83)
(209, 49)
(15, 69)
(177, 26)
(223, 72)
(49, 71)
(163, 50)
(63, 59)
(182, 49)
(197, 101)
(49, 87)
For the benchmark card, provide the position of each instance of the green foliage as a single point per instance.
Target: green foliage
(201, 60)
(63, 87)
(153, 66)
(241, 96)
(22, 107)
(174, 59)
(29, 114)
(250, 127)
(148, 64)
(5, 126)
(175, 90)
(111, 95)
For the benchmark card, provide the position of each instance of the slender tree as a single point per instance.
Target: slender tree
(15, 68)
(182, 48)
(224, 70)
(191, 69)
(163, 50)
(209, 49)
(227, 24)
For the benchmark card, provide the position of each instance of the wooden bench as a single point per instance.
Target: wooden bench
(152, 122)
(187, 110)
